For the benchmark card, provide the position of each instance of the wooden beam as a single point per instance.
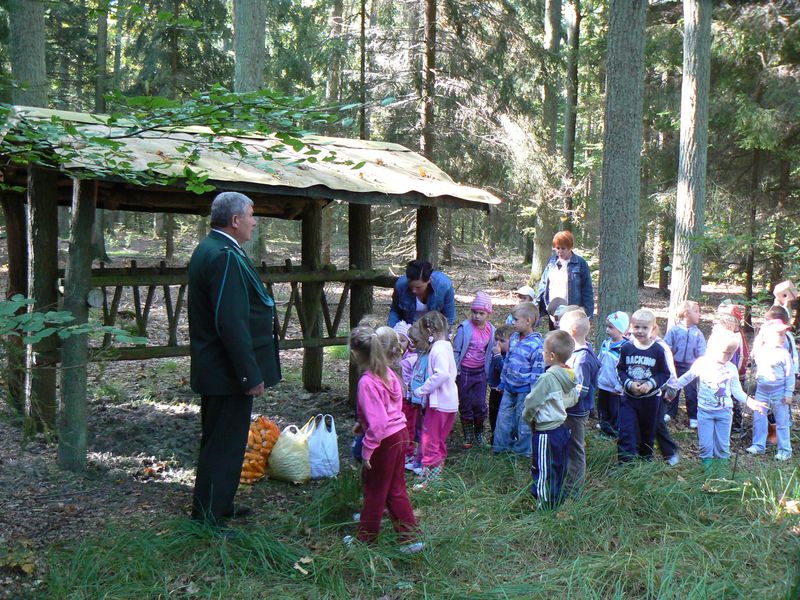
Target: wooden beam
(311, 259)
(72, 422)
(359, 240)
(147, 352)
(40, 384)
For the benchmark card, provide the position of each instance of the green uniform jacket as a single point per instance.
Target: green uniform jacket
(232, 332)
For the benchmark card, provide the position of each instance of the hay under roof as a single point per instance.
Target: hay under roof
(386, 173)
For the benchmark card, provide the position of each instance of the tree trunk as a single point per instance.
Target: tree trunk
(547, 221)
(427, 216)
(622, 145)
(335, 64)
(119, 29)
(570, 107)
(664, 253)
(687, 259)
(169, 236)
(249, 33)
(750, 261)
(27, 29)
(101, 59)
(72, 422)
(777, 262)
(362, 88)
(447, 249)
(40, 385)
(359, 235)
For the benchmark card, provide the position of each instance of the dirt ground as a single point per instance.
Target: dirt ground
(144, 426)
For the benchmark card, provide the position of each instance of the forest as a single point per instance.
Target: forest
(665, 135)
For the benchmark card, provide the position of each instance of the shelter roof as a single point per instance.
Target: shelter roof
(281, 183)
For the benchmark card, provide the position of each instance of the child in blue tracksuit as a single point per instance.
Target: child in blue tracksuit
(687, 344)
(643, 370)
(472, 352)
(609, 389)
(545, 412)
(523, 366)
(586, 366)
(502, 335)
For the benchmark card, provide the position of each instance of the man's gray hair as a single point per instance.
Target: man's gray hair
(227, 204)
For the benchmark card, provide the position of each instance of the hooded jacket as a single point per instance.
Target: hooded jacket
(547, 403)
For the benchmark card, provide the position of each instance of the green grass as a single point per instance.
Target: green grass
(642, 531)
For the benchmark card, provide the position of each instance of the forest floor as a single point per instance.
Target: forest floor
(67, 535)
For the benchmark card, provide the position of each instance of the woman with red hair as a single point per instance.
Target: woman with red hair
(566, 276)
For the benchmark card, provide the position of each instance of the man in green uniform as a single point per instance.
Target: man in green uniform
(234, 350)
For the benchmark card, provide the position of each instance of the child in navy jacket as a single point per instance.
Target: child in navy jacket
(643, 370)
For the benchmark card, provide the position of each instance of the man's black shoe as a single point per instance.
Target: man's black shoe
(239, 512)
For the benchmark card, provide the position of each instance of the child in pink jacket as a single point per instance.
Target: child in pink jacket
(440, 393)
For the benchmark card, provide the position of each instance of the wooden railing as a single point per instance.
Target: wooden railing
(147, 282)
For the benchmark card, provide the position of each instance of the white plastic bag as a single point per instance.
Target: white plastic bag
(323, 447)
(289, 459)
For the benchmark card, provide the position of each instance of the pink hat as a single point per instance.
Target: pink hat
(482, 302)
(401, 328)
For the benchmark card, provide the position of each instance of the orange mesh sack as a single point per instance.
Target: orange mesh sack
(261, 439)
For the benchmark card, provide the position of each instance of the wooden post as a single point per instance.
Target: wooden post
(359, 237)
(40, 384)
(17, 244)
(72, 422)
(311, 258)
(428, 234)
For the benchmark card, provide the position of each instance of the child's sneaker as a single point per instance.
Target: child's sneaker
(692, 423)
(480, 442)
(413, 548)
(429, 475)
(781, 455)
(673, 460)
(667, 418)
(348, 540)
(754, 450)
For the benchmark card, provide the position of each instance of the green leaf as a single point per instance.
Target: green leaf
(388, 100)
(347, 122)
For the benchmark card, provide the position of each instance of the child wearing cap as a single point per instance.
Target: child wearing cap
(774, 385)
(729, 318)
(408, 359)
(609, 388)
(524, 294)
(471, 350)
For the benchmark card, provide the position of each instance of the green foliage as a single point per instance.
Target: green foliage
(33, 327)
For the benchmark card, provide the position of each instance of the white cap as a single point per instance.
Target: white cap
(527, 290)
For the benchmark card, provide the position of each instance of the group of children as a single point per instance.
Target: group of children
(542, 391)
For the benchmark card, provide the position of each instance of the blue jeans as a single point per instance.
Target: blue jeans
(638, 421)
(512, 434)
(714, 432)
(782, 413)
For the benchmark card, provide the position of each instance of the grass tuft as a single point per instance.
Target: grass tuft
(640, 531)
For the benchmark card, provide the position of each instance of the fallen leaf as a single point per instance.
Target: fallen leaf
(297, 567)
(681, 479)
(306, 560)
(791, 506)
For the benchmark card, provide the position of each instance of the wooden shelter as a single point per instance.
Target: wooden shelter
(286, 182)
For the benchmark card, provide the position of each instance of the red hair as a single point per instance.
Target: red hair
(564, 239)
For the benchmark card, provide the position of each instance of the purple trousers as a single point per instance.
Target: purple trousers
(471, 383)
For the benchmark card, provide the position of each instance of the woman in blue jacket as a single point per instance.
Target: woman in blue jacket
(422, 289)
(566, 276)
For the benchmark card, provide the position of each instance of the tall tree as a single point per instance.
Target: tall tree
(573, 12)
(249, 33)
(546, 217)
(687, 257)
(427, 216)
(622, 145)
